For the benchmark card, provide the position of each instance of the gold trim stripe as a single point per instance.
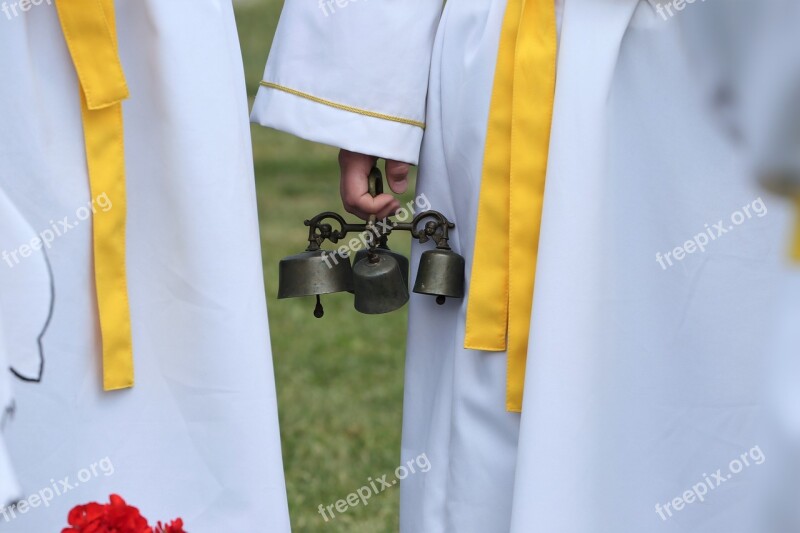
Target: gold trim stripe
(343, 107)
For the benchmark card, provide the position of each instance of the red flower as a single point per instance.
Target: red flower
(114, 517)
(176, 526)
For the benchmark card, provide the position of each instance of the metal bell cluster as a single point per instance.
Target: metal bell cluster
(378, 277)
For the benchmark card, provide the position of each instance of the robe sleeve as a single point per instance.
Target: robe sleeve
(352, 74)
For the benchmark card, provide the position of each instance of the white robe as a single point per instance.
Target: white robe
(780, 513)
(772, 96)
(9, 487)
(641, 380)
(197, 437)
(26, 299)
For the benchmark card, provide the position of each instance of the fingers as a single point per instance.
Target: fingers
(397, 175)
(354, 187)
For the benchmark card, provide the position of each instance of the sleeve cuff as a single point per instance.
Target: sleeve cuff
(317, 119)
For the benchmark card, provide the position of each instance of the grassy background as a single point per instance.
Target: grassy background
(339, 379)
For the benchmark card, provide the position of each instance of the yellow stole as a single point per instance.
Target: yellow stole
(90, 32)
(512, 189)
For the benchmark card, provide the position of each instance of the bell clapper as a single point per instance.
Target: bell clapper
(319, 312)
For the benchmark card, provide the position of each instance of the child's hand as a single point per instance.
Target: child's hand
(354, 186)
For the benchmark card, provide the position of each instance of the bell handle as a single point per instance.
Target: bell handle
(375, 181)
(375, 184)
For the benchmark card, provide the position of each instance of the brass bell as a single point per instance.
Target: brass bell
(379, 284)
(312, 273)
(441, 274)
(402, 260)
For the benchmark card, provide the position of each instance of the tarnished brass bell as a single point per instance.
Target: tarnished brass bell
(402, 260)
(441, 274)
(312, 273)
(379, 284)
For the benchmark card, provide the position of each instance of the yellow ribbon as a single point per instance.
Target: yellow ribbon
(90, 32)
(512, 189)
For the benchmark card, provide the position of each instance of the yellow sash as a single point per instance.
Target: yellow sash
(90, 32)
(512, 189)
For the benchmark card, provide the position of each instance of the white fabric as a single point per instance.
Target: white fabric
(26, 292)
(641, 379)
(197, 437)
(25, 306)
(9, 487)
(772, 96)
(780, 513)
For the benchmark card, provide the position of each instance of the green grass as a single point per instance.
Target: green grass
(339, 379)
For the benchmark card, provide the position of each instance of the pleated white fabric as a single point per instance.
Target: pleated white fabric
(197, 437)
(643, 373)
